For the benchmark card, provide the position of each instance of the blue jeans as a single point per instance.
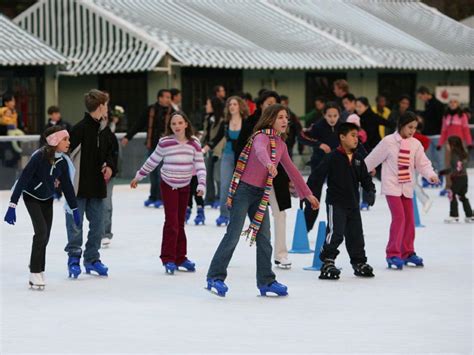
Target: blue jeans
(436, 156)
(227, 170)
(108, 209)
(94, 210)
(155, 178)
(246, 201)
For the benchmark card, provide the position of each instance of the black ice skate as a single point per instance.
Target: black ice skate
(363, 270)
(329, 271)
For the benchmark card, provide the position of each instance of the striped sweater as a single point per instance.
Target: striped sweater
(180, 162)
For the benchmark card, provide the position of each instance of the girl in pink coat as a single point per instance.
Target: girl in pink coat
(400, 155)
(455, 123)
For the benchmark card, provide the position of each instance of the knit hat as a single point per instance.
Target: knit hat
(354, 119)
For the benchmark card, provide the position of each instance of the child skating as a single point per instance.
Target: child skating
(249, 195)
(37, 183)
(400, 155)
(345, 170)
(457, 183)
(181, 155)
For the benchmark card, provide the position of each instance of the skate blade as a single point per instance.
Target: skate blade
(365, 276)
(273, 295)
(214, 292)
(284, 267)
(34, 287)
(95, 273)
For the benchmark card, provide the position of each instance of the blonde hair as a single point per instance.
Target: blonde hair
(243, 108)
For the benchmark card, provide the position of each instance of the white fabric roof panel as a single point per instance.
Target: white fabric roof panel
(104, 36)
(18, 47)
(234, 34)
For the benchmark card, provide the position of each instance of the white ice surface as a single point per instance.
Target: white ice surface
(139, 309)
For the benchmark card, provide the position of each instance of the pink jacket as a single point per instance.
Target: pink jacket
(386, 153)
(256, 171)
(455, 125)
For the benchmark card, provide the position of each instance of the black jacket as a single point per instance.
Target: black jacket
(39, 176)
(159, 115)
(319, 133)
(343, 178)
(370, 122)
(95, 153)
(109, 140)
(433, 117)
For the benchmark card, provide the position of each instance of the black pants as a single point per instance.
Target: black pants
(459, 188)
(41, 213)
(310, 215)
(344, 222)
(193, 193)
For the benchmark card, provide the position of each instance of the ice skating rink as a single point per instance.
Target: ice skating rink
(139, 309)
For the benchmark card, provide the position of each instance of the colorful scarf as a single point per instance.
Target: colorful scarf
(404, 162)
(254, 227)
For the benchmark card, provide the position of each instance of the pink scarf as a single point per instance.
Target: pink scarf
(404, 162)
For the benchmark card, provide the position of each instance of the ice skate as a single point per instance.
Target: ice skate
(73, 266)
(364, 206)
(97, 267)
(275, 287)
(451, 220)
(395, 261)
(363, 270)
(414, 260)
(36, 281)
(283, 263)
(149, 203)
(106, 242)
(222, 220)
(329, 271)
(188, 265)
(427, 205)
(170, 268)
(158, 203)
(188, 214)
(217, 287)
(200, 217)
(469, 219)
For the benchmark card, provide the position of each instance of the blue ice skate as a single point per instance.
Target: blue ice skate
(222, 220)
(443, 192)
(188, 265)
(149, 203)
(170, 268)
(200, 217)
(188, 214)
(364, 206)
(73, 266)
(414, 259)
(395, 261)
(97, 267)
(217, 286)
(216, 204)
(276, 288)
(158, 203)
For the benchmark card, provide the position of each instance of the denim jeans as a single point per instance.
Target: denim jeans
(108, 209)
(436, 156)
(155, 178)
(246, 201)
(210, 181)
(94, 210)
(227, 170)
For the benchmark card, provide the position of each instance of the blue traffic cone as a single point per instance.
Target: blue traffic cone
(416, 212)
(300, 237)
(317, 263)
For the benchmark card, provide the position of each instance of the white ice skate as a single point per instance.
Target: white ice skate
(426, 207)
(36, 281)
(469, 219)
(106, 242)
(451, 220)
(283, 263)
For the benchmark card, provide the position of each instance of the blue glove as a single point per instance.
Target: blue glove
(76, 216)
(10, 217)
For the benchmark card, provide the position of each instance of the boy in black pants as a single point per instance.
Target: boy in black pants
(344, 169)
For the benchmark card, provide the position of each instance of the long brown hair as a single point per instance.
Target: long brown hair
(269, 117)
(455, 143)
(49, 150)
(243, 108)
(189, 131)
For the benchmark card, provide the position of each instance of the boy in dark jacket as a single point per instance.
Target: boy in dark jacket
(94, 164)
(344, 170)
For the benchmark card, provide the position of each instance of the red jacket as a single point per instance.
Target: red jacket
(424, 140)
(455, 125)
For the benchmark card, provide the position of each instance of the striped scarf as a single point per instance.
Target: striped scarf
(404, 162)
(254, 227)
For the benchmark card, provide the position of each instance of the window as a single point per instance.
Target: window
(393, 85)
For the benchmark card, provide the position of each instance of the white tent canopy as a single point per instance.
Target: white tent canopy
(105, 36)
